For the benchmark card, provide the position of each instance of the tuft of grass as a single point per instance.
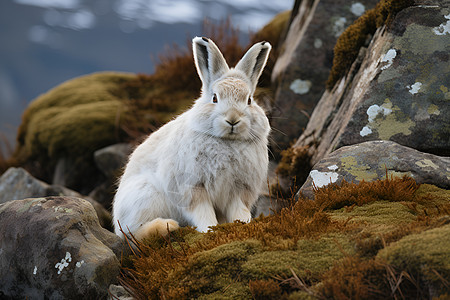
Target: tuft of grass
(265, 289)
(354, 278)
(346, 194)
(424, 255)
(298, 251)
(356, 35)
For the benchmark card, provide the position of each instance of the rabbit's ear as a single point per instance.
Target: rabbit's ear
(253, 62)
(209, 61)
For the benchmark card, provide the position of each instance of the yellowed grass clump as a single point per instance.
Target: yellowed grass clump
(337, 245)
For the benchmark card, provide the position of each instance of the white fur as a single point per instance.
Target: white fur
(210, 163)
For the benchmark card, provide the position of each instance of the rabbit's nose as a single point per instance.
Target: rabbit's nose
(233, 122)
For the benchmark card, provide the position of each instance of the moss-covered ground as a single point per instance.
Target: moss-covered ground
(383, 239)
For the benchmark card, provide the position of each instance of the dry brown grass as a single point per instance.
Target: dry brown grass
(173, 267)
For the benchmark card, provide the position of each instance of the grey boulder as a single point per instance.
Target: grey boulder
(303, 66)
(17, 184)
(373, 160)
(55, 248)
(398, 90)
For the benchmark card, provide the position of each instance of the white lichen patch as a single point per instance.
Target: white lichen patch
(365, 131)
(333, 167)
(444, 28)
(383, 120)
(300, 87)
(339, 26)
(357, 9)
(321, 179)
(414, 89)
(426, 163)
(79, 263)
(64, 263)
(374, 110)
(388, 58)
(318, 43)
(35, 270)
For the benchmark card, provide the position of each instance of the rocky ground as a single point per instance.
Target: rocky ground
(340, 150)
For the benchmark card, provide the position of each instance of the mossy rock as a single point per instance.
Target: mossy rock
(355, 36)
(84, 114)
(300, 73)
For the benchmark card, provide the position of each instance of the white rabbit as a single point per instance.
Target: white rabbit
(208, 165)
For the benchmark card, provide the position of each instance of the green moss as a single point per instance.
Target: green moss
(355, 36)
(425, 254)
(84, 114)
(438, 195)
(381, 214)
(330, 247)
(216, 272)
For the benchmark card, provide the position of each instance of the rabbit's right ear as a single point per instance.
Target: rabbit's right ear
(209, 61)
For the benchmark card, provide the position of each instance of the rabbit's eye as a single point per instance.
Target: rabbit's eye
(249, 101)
(215, 98)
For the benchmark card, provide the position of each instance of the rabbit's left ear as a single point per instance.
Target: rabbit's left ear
(209, 61)
(253, 62)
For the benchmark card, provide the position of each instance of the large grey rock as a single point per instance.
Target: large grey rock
(18, 184)
(110, 160)
(373, 160)
(399, 92)
(303, 67)
(54, 248)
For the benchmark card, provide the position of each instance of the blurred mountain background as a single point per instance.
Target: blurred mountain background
(46, 42)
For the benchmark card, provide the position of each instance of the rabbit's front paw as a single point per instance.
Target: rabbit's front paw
(158, 226)
(238, 211)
